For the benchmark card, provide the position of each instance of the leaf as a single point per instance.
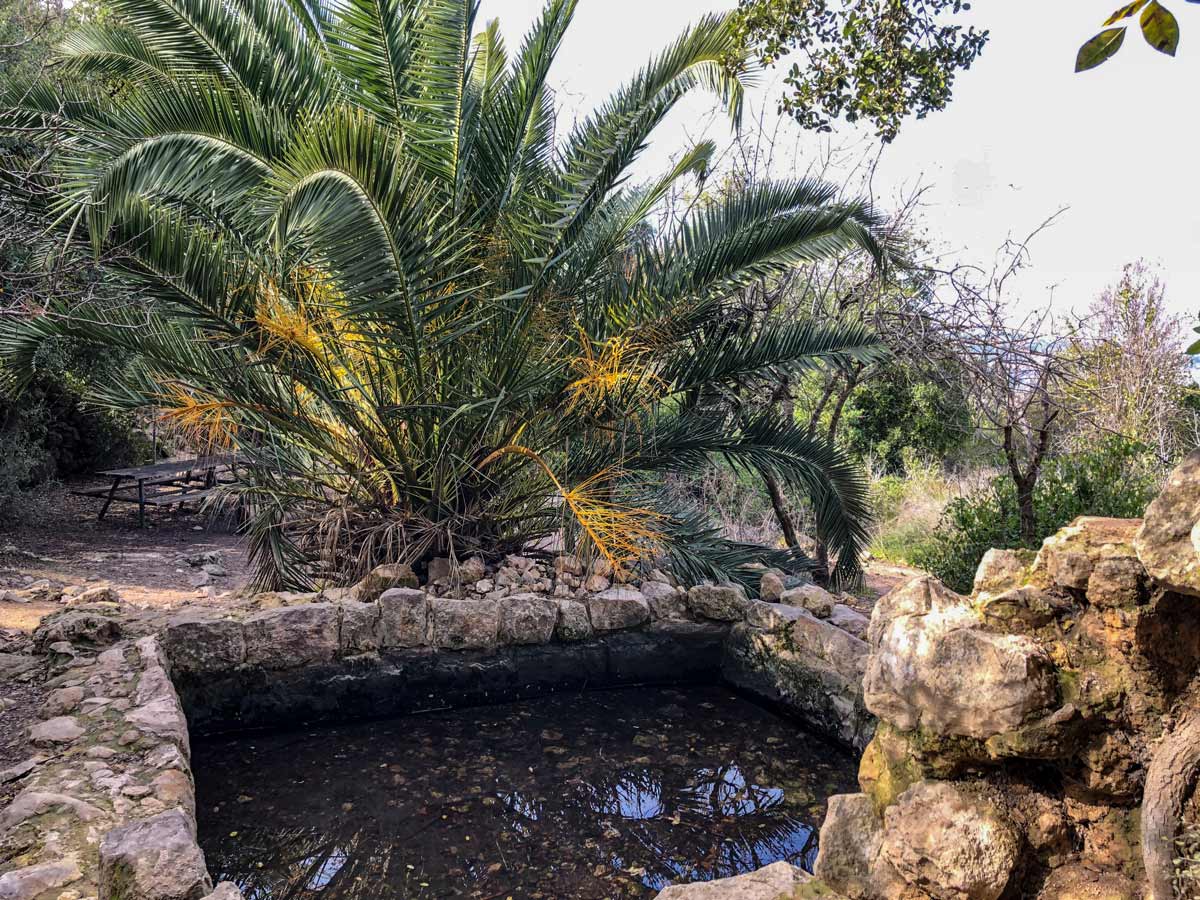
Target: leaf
(1128, 10)
(1099, 48)
(1160, 28)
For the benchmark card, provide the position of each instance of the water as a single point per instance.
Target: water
(611, 794)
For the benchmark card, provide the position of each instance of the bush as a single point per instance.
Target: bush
(48, 432)
(1117, 479)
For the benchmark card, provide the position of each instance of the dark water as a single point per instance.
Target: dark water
(606, 794)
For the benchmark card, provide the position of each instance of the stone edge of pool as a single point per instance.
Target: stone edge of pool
(107, 806)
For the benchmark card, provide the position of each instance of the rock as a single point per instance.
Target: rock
(59, 730)
(618, 608)
(770, 616)
(1000, 570)
(1168, 542)
(837, 649)
(405, 614)
(28, 804)
(163, 718)
(471, 570)
(226, 890)
(666, 602)
(463, 624)
(382, 578)
(567, 564)
(949, 844)
(573, 622)
(63, 701)
(198, 644)
(770, 586)
(153, 859)
(1067, 556)
(850, 839)
(484, 586)
(21, 769)
(1117, 582)
(596, 584)
(1021, 609)
(29, 882)
(361, 629)
(777, 881)
(77, 627)
(934, 667)
(720, 602)
(100, 593)
(601, 568)
(292, 636)
(812, 597)
(850, 620)
(527, 619)
(438, 570)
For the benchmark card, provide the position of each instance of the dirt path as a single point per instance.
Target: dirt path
(59, 541)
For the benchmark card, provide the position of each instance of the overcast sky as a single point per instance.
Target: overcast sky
(1023, 137)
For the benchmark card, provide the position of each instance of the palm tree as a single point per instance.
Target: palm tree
(429, 323)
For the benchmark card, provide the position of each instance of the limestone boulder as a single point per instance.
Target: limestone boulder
(404, 617)
(1117, 583)
(78, 627)
(1168, 542)
(55, 732)
(31, 803)
(778, 881)
(573, 623)
(812, 597)
(1068, 556)
(527, 619)
(361, 630)
(720, 602)
(948, 843)
(1002, 570)
(666, 601)
(771, 586)
(383, 578)
(933, 666)
(197, 644)
(772, 616)
(850, 620)
(618, 608)
(292, 636)
(153, 859)
(838, 649)
(32, 881)
(463, 624)
(851, 836)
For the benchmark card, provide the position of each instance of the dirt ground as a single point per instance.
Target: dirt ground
(58, 538)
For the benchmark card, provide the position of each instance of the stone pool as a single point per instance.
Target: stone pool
(604, 794)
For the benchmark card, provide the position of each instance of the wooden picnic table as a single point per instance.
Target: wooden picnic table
(170, 482)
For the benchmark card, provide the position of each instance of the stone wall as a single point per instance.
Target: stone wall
(106, 809)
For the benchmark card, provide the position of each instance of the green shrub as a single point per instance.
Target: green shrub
(1117, 479)
(48, 432)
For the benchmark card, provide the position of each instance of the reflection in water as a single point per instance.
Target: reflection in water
(604, 795)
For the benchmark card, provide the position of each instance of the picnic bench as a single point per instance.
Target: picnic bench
(164, 483)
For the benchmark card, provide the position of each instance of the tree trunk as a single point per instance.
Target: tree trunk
(1026, 512)
(1173, 775)
(781, 514)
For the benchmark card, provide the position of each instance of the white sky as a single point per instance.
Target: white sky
(1022, 137)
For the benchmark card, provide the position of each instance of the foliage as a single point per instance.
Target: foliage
(1158, 25)
(903, 413)
(1117, 478)
(1131, 376)
(878, 60)
(430, 323)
